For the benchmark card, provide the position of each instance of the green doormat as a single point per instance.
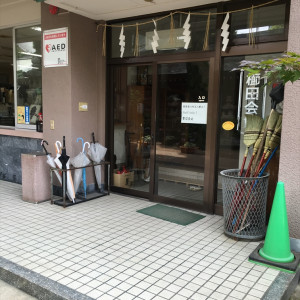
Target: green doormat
(171, 214)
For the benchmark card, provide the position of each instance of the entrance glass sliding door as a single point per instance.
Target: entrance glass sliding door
(181, 110)
(159, 132)
(132, 96)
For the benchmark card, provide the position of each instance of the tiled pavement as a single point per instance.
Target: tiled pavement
(104, 249)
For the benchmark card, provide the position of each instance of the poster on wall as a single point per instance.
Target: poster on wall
(193, 113)
(55, 47)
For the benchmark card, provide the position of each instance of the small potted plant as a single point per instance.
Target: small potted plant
(188, 147)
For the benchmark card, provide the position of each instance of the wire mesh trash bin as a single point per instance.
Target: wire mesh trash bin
(244, 204)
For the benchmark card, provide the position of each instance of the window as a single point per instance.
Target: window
(20, 76)
(6, 78)
(198, 28)
(28, 75)
(268, 24)
(236, 88)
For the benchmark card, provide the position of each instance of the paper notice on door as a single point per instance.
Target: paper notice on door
(193, 113)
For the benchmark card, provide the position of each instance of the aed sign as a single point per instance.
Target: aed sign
(193, 113)
(55, 47)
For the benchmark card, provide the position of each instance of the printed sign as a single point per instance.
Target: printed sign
(27, 115)
(21, 114)
(55, 47)
(252, 94)
(193, 113)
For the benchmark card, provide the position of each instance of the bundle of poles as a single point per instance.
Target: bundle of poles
(263, 138)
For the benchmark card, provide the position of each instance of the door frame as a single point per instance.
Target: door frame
(211, 161)
(208, 204)
(212, 118)
(110, 124)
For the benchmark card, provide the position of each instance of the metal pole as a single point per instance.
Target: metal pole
(64, 185)
(51, 182)
(108, 178)
(263, 109)
(240, 101)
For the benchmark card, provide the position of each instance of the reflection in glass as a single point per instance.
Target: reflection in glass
(7, 109)
(267, 21)
(180, 145)
(29, 72)
(132, 126)
(231, 142)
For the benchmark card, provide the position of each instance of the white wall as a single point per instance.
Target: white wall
(19, 12)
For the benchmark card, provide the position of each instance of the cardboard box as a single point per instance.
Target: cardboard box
(124, 180)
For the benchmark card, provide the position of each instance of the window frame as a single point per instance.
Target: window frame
(8, 126)
(21, 126)
(240, 49)
(262, 39)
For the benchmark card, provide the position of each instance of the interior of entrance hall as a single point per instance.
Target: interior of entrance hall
(146, 117)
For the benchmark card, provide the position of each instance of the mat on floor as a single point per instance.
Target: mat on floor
(171, 214)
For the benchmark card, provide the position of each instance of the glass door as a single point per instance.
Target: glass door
(159, 131)
(240, 96)
(132, 96)
(180, 140)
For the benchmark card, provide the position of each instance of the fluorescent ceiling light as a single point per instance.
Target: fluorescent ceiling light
(25, 68)
(25, 65)
(256, 29)
(36, 28)
(31, 54)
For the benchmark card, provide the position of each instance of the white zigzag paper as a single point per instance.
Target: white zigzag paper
(155, 38)
(225, 32)
(187, 32)
(122, 41)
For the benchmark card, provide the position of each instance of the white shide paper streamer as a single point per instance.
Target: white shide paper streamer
(122, 41)
(155, 39)
(187, 32)
(225, 32)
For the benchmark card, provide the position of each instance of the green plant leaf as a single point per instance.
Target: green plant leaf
(282, 69)
(267, 62)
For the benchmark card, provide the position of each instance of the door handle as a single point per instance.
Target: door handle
(152, 140)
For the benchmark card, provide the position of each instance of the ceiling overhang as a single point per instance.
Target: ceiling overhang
(119, 9)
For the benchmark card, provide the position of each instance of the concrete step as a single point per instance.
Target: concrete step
(9, 292)
(35, 284)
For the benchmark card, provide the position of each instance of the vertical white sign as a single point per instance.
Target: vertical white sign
(55, 47)
(252, 94)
